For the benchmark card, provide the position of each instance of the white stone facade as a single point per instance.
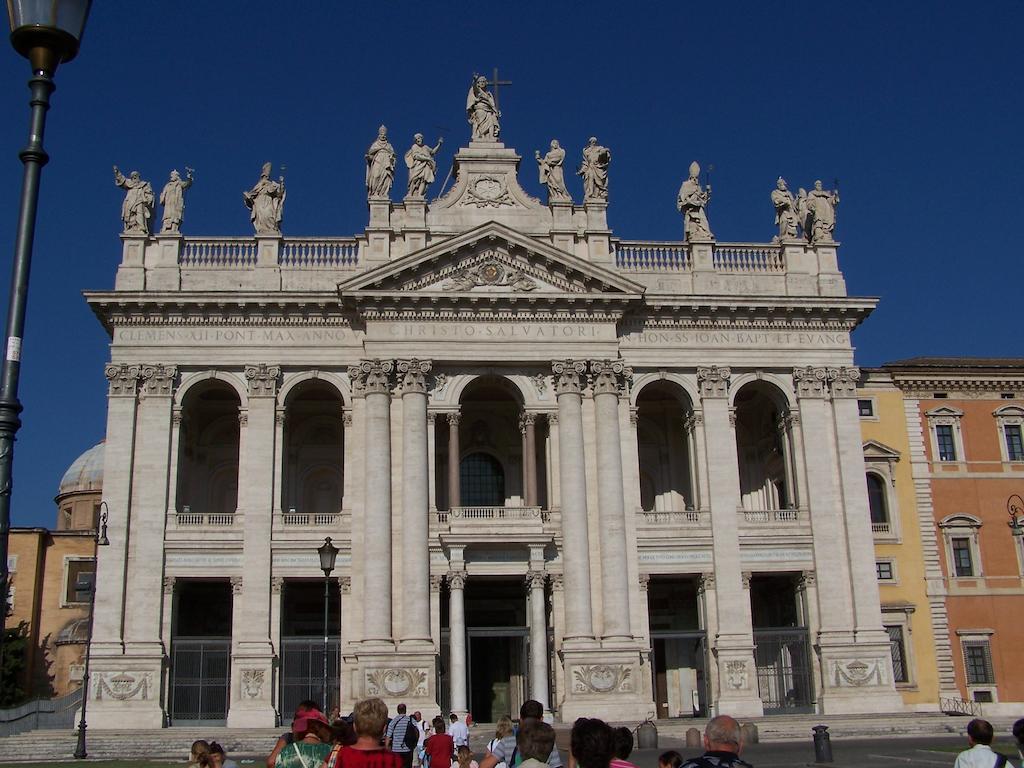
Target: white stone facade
(442, 330)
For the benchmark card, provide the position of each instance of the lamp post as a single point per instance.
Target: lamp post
(328, 554)
(46, 32)
(101, 541)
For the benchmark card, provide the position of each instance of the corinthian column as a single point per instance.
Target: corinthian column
(579, 622)
(538, 638)
(457, 640)
(372, 379)
(415, 502)
(609, 378)
(453, 460)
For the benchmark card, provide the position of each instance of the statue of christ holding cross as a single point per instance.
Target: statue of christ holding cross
(482, 110)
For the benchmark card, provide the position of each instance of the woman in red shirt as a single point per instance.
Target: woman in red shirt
(440, 748)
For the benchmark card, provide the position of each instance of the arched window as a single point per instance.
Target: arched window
(481, 481)
(877, 500)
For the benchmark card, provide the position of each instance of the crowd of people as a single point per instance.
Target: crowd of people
(369, 738)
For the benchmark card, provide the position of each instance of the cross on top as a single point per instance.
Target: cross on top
(494, 82)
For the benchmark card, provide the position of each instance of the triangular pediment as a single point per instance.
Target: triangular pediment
(874, 450)
(492, 259)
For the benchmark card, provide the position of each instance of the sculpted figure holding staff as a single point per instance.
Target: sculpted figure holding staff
(265, 202)
(137, 208)
(481, 111)
(380, 165)
(172, 198)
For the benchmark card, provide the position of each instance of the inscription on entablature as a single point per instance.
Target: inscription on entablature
(234, 336)
(714, 339)
(513, 331)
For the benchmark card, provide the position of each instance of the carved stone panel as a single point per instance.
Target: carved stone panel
(401, 681)
(736, 675)
(252, 683)
(858, 673)
(602, 678)
(125, 686)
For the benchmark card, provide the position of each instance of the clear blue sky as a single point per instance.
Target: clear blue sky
(915, 107)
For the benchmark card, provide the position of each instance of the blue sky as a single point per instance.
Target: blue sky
(915, 107)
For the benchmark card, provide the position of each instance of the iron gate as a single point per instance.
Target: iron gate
(302, 672)
(783, 659)
(200, 678)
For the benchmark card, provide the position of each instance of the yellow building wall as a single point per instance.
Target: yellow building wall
(890, 428)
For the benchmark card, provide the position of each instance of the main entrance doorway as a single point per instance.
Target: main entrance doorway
(782, 647)
(302, 645)
(679, 645)
(200, 669)
(497, 639)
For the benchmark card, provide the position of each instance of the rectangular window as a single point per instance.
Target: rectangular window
(900, 673)
(1014, 442)
(963, 564)
(80, 576)
(978, 662)
(944, 441)
(884, 570)
(866, 407)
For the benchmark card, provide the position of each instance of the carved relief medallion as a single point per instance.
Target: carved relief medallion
(124, 686)
(487, 192)
(252, 683)
(396, 682)
(602, 678)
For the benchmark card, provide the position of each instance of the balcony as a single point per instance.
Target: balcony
(186, 518)
(771, 516)
(690, 518)
(881, 529)
(503, 521)
(309, 519)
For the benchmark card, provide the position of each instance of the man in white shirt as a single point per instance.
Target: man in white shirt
(980, 755)
(458, 731)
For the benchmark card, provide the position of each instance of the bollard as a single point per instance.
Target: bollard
(693, 737)
(822, 744)
(647, 735)
(748, 733)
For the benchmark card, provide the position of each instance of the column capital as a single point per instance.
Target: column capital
(844, 381)
(536, 579)
(454, 417)
(552, 417)
(168, 585)
(745, 578)
(811, 381)
(243, 417)
(435, 583)
(456, 579)
(806, 580)
(345, 585)
(557, 582)
(371, 376)
(123, 379)
(610, 376)
(526, 419)
(713, 380)
(280, 415)
(414, 375)
(158, 379)
(568, 376)
(236, 585)
(262, 379)
(693, 420)
(645, 580)
(277, 584)
(706, 582)
(177, 415)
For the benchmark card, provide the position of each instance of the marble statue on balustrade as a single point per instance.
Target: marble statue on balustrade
(422, 166)
(482, 112)
(380, 166)
(692, 203)
(552, 173)
(172, 198)
(265, 202)
(785, 211)
(594, 170)
(137, 208)
(821, 210)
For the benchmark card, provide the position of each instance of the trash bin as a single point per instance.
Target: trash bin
(647, 735)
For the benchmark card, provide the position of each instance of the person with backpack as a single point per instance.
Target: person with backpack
(402, 737)
(722, 744)
(504, 751)
(980, 754)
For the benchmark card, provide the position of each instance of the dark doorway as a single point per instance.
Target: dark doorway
(679, 643)
(200, 673)
(782, 648)
(302, 644)
(497, 647)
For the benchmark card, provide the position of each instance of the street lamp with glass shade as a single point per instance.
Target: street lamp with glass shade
(46, 32)
(328, 556)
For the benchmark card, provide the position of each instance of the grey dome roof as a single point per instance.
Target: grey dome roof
(85, 473)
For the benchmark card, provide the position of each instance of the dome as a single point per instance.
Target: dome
(85, 473)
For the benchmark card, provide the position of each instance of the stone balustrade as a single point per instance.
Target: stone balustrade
(771, 517)
(693, 518)
(187, 518)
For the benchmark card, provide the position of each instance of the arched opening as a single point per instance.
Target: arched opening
(763, 448)
(208, 450)
(312, 480)
(665, 448)
(877, 502)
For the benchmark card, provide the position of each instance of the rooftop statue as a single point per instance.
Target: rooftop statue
(421, 164)
(594, 170)
(380, 166)
(821, 210)
(785, 211)
(172, 198)
(137, 208)
(552, 173)
(692, 201)
(265, 202)
(482, 112)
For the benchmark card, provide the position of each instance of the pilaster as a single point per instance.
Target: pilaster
(597, 233)
(162, 257)
(378, 233)
(268, 270)
(131, 273)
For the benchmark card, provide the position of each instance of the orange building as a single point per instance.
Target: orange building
(968, 464)
(51, 578)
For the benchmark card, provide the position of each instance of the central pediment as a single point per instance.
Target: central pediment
(494, 262)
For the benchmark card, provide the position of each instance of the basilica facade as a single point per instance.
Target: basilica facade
(619, 477)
